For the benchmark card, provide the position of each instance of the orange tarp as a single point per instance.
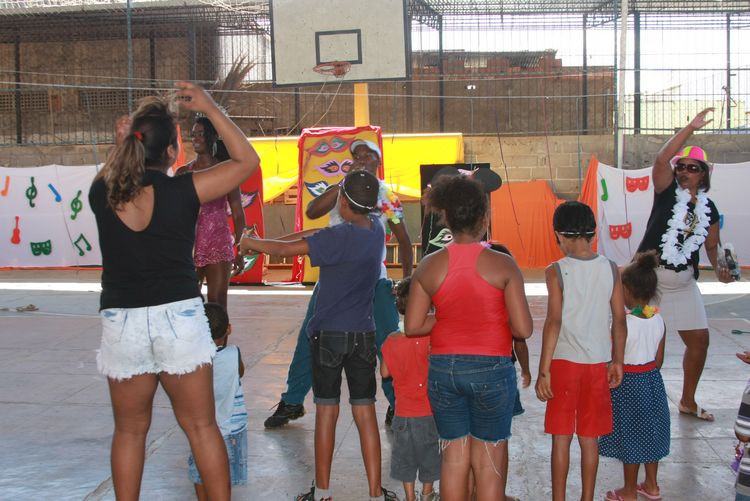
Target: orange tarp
(522, 218)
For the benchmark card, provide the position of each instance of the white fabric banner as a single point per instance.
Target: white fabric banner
(45, 218)
(624, 203)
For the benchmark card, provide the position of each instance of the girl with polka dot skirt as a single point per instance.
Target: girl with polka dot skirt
(639, 406)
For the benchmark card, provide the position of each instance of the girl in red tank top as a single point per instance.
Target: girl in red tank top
(480, 304)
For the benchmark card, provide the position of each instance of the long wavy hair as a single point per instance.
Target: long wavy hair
(152, 131)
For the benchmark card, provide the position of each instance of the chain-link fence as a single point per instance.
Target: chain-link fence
(69, 68)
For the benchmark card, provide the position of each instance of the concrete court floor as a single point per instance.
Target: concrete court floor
(56, 423)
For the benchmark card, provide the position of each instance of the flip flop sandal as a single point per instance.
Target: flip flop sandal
(699, 413)
(613, 496)
(641, 489)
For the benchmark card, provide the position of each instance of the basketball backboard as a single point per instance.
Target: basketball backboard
(372, 35)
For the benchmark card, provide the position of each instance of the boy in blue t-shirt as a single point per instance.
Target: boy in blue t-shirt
(342, 329)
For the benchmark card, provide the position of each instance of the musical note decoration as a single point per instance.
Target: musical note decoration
(85, 242)
(31, 193)
(15, 239)
(4, 193)
(39, 248)
(58, 198)
(605, 195)
(76, 205)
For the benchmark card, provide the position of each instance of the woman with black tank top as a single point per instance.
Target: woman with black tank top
(682, 220)
(154, 329)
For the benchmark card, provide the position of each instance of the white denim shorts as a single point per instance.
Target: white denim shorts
(172, 338)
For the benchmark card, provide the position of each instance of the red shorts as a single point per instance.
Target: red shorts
(581, 403)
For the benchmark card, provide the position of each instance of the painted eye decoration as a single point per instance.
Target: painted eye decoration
(321, 148)
(247, 198)
(316, 189)
(249, 262)
(338, 144)
(443, 238)
(334, 167)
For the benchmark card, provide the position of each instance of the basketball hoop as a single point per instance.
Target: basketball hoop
(336, 68)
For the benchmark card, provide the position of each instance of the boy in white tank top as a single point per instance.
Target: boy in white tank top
(581, 356)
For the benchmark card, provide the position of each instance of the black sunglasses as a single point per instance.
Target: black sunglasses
(691, 168)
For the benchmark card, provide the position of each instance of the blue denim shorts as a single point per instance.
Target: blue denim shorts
(172, 338)
(472, 395)
(237, 452)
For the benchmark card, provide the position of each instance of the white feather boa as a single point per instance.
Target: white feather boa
(672, 251)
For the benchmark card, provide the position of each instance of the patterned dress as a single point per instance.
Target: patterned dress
(213, 238)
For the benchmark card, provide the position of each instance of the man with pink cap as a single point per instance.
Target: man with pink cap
(682, 220)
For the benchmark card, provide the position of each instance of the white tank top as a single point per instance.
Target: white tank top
(587, 284)
(644, 336)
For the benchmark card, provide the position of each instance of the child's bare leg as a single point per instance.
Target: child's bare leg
(489, 462)
(454, 470)
(589, 466)
(472, 487)
(652, 486)
(630, 473)
(560, 465)
(409, 491)
(369, 443)
(200, 492)
(427, 487)
(325, 439)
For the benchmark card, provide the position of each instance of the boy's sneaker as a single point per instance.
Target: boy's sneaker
(431, 496)
(308, 496)
(389, 495)
(284, 413)
(389, 416)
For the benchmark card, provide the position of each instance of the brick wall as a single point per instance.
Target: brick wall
(564, 158)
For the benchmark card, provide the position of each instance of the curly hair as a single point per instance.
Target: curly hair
(639, 277)
(401, 290)
(153, 129)
(463, 202)
(218, 320)
(214, 144)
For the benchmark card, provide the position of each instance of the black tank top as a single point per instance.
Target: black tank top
(153, 266)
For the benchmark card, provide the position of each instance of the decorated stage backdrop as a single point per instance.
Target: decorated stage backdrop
(45, 218)
(324, 160)
(624, 199)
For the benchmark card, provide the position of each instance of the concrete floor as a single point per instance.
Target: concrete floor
(56, 422)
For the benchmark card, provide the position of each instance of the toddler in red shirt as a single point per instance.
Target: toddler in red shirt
(415, 440)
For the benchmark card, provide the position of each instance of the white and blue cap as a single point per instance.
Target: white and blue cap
(369, 144)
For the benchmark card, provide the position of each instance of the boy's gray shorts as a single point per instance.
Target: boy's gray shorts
(415, 448)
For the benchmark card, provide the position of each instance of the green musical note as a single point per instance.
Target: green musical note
(76, 205)
(39, 248)
(605, 195)
(31, 193)
(86, 242)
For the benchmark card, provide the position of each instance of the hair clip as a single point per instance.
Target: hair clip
(138, 135)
